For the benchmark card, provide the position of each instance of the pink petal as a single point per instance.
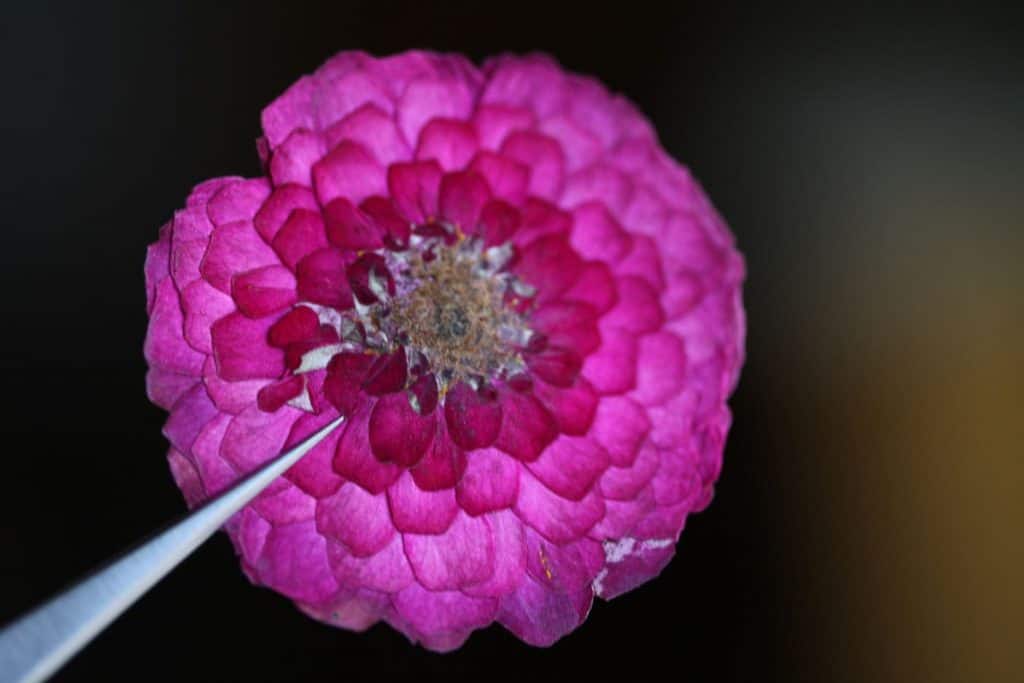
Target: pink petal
(638, 311)
(397, 433)
(534, 81)
(442, 465)
(598, 182)
(348, 171)
(275, 211)
(644, 261)
(595, 286)
(542, 218)
(662, 373)
(230, 397)
(263, 291)
(216, 472)
(288, 505)
(296, 325)
(450, 142)
(301, 235)
(556, 366)
(621, 426)
(428, 99)
(291, 110)
(462, 198)
(273, 396)
(375, 130)
(387, 570)
(164, 388)
(460, 556)
(542, 156)
(358, 520)
(186, 478)
(612, 368)
(294, 562)
(527, 427)
(390, 223)
(597, 235)
(294, 157)
(570, 466)
(354, 459)
(386, 374)
(414, 188)
(494, 122)
(558, 519)
(580, 146)
(550, 265)
(443, 620)
(490, 482)
(416, 511)
(237, 201)
(568, 568)
(540, 616)
(253, 436)
(572, 407)
(164, 346)
(241, 351)
(508, 542)
(321, 279)
(474, 419)
(203, 305)
(568, 324)
(314, 473)
(507, 178)
(636, 568)
(500, 220)
(190, 414)
(625, 483)
(234, 248)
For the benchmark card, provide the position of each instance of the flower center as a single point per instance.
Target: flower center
(454, 314)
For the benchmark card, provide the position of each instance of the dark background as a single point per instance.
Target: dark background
(867, 524)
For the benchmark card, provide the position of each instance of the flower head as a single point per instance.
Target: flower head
(528, 313)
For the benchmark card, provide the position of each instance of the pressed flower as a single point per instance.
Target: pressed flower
(529, 315)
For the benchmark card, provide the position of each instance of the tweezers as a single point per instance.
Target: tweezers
(34, 646)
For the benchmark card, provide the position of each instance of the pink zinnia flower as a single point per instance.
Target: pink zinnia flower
(529, 314)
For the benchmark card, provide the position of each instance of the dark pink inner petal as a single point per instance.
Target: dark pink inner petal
(299, 324)
(443, 463)
(450, 142)
(550, 265)
(364, 272)
(507, 178)
(273, 396)
(275, 211)
(393, 226)
(241, 351)
(350, 228)
(414, 187)
(573, 407)
(343, 384)
(500, 220)
(555, 365)
(263, 291)
(321, 279)
(397, 433)
(526, 428)
(462, 198)
(387, 373)
(354, 460)
(474, 419)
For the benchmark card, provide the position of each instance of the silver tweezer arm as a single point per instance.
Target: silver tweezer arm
(36, 645)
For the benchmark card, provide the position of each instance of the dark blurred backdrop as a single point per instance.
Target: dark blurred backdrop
(867, 525)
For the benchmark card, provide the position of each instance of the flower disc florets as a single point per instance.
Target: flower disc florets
(528, 314)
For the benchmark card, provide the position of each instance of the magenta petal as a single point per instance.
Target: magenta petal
(490, 482)
(442, 465)
(462, 198)
(386, 374)
(495, 122)
(644, 261)
(190, 414)
(638, 311)
(612, 368)
(540, 219)
(556, 366)
(420, 512)
(294, 562)
(164, 346)
(580, 146)
(460, 556)
(500, 221)
(343, 385)
(595, 286)
(573, 407)
(230, 397)
(241, 350)
(567, 568)
(253, 436)
(358, 520)
(526, 428)
(625, 483)
(348, 171)
(301, 235)
(349, 228)
(424, 391)
(286, 505)
(542, 156)
(275, 211)
(394, 228)
(620, 425)
(598, 182)
(234, 248)
(474, 419)
(430, 98)
(369, 272)
(662, 373)
(296, 325)
(558, 519)
(597, 235)
(237, 201)
(540, 616)
(414, 188)
(449, 142)
(442, 620)
(509, 543)
(273, 396)
(374, 129)
(387, 570)
(354, 458)
(203, 305)
(314, 473)
(645, 560)
(507, 178)
(186, 478)
(397, 433)
(292, 159)
(263, 291)
(569, 324)
(570, 466)
(550, 265)
(164, 388)
(321, 279)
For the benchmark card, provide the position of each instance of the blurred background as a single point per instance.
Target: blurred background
(867, 525)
